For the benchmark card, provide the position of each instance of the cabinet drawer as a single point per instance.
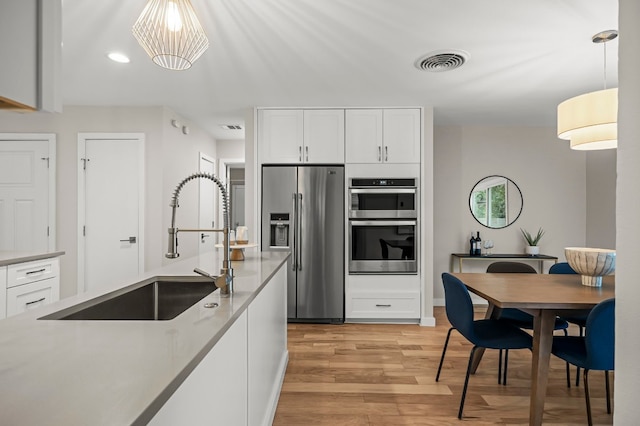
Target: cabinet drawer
(31, 296)
(383, 307)
(29, 272)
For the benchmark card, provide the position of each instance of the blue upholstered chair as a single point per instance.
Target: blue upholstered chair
(486, 333)
(579, 317)
(515, 316)
(593, 351)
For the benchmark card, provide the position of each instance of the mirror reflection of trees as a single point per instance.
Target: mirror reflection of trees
(495, 202)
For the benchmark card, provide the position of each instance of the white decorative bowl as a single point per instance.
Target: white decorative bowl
(591, 263)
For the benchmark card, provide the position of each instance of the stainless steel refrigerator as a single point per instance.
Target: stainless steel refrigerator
(303, 211)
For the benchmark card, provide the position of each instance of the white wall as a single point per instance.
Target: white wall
(601, 199)
(169, 156)
(230, 149)
(551, 177)
(627, 378)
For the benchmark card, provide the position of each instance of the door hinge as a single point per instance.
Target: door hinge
(84, 163)
(47, 159)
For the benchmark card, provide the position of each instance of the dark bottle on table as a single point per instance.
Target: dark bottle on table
(472, 245)
(478, 245)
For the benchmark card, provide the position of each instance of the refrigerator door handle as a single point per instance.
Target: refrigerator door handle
(299, 227)
(294, 253)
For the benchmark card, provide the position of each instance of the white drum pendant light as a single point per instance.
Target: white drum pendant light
(170, 33)
(590, 121)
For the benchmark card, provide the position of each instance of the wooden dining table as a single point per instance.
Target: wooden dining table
(544, 296)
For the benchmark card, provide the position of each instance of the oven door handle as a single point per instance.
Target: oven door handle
(382, 222)
(382, 190)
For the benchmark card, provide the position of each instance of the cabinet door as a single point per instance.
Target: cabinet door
(280, 136)
(401, 135)
(32, 296)
(323, 136)
(363, 135)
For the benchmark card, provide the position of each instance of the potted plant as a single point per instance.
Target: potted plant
(532, 248)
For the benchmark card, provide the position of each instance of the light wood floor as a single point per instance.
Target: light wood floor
(381, 374)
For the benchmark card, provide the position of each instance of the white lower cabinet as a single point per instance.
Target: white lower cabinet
(216, 390)
(29, 285)
(238, 382)
(382, 297)
(31, 296)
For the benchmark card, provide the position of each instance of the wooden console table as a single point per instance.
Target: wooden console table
(541, 258)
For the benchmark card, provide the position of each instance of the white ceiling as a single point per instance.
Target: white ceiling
(525, 57)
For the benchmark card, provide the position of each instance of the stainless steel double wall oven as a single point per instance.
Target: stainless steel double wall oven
(383, 219)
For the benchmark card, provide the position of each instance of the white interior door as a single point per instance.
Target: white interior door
(237, 210)
(207, 212)
(111, 182)
(27, 192)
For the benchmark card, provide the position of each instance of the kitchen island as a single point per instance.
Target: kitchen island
(221, 365)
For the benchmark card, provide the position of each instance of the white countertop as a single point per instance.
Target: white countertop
(116, 372)
(10, 257)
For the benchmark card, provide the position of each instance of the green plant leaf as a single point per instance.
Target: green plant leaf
(531, 240)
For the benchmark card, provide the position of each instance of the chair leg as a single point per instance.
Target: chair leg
(506, 363)
(606, 383)
(586, 397)
(444, 349)
(568, 375)
(578, 368)
(466, 382)
(500, 366)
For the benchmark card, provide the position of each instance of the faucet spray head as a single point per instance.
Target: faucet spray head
(173, 244)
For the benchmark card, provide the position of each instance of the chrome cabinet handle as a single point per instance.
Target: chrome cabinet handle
(35, 272)
(300, 153)
(379, 153)
(386, 153)
(306, 151)
(130, 240)
(382, 306)
(35, 301)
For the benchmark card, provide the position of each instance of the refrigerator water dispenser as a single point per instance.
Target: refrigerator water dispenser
(279, 230)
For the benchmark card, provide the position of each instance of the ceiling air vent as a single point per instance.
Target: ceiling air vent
(442, 60)
(231, 126)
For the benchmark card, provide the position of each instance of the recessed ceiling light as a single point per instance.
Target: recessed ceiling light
(119, 57)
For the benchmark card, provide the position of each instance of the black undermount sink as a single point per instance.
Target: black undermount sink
(155, 299)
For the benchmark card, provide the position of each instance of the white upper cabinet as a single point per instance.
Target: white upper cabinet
(383, 136)
(301, 136)
(324, 136)
(30, 45)
(364, 135)
(280, 136)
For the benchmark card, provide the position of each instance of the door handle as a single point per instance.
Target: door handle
(294, 254)
(130, 240)
(299, 227)
(203, 236)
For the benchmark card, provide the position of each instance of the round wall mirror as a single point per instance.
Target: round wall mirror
(495, 202)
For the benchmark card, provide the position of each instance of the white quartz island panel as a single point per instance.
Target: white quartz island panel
(123, 372)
